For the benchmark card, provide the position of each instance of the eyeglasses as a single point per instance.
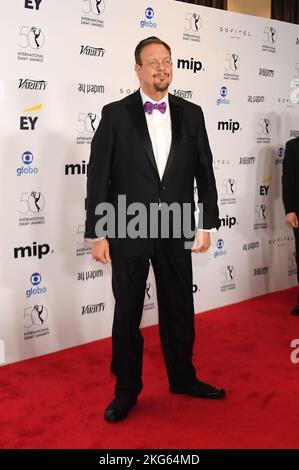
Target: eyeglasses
(154, 64)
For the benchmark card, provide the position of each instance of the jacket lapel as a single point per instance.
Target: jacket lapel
(136, 111)
(176, 114)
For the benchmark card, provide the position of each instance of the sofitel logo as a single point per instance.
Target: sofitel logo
(92, 51)
(234, 33)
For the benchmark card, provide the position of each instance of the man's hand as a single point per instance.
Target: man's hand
(100, 251)
(292, 219)
(202, 242)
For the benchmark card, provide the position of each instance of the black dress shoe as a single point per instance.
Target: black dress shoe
(200, 390)
(119, 409)
(295, 310)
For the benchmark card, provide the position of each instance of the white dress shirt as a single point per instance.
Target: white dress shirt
(159, 128)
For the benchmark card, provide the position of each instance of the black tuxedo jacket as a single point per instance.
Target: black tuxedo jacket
(122, 162)
(290, 177)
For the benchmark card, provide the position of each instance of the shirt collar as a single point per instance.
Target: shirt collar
(145, 98)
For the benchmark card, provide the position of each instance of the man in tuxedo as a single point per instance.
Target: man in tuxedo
(149, 147)
(290, 195)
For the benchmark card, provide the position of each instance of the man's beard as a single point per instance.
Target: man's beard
(161, 86)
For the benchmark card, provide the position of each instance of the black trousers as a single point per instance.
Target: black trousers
(173, 274)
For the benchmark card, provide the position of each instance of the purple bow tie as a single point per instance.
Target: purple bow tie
(149, 107)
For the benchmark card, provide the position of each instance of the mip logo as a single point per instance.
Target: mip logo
(148, 23)
(31, 37)
(27, 159)
(96, 7)
(270, 35)
(232, 62)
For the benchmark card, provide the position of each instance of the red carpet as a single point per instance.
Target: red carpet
(57, 401)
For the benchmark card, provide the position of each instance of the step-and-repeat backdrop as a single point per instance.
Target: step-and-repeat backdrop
(61, 61)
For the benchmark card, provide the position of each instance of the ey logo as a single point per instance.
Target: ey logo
(28, 123)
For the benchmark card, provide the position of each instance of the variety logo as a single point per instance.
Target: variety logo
(261, 271)
(32, 4)
(148, 23)
(266, 73)
(230, 125)
(27, 159)
(185, 94)
(95, 308)
(35, 250)
(191, 64)
(28, 84)
(193, 24)
(90, 88)
(247, 161)
(28, 123)
(92, 51)
(35, 280)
